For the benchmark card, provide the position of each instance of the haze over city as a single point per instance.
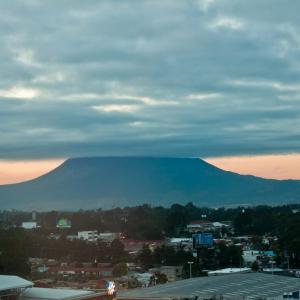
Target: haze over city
(212, 79)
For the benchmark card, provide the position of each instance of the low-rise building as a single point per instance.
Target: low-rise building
(17, 288)
(87, 272)
(89, 235)
(200, 225)
(29, 225)
(250, 256)
(207, 226)
(109, 236)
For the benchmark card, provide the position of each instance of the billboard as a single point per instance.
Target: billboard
(202, 239)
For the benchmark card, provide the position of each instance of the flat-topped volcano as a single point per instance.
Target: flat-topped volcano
(106, 182)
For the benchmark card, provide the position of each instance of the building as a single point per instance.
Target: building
(90, 236)
(29, 225)
(59, 294)
(17, 288)
(180, 243)
(239, 286)
(12, 286)
(109, 236)
(63, 223)
(250, 256)
(200, 225)
(86, 272)
(207, 226)
(134, 246)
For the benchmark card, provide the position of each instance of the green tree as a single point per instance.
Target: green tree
(14, 252)
(255, 266)
(161, 278)
(120, 270)
(145, 258)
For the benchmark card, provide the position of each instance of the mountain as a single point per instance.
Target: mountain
(106, 182)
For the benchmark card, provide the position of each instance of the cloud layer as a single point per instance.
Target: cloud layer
(171, 78)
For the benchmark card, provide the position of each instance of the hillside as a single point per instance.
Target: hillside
(106, 182)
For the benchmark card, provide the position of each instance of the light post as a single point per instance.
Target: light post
(272, 264)
(190, 263)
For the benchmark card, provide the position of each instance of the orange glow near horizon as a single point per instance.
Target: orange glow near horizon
(14, 171)
(285, 166)
(267, 166)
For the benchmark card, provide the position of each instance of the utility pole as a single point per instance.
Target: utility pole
(190, 263)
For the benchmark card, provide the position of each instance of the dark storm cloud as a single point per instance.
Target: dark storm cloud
(180, 78)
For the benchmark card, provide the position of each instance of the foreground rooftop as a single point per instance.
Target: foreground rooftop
(55, 294)
(237, 286)
(9, 282)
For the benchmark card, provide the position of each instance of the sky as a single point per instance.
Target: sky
(216, 79)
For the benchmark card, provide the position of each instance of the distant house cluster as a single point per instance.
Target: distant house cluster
(207, 226)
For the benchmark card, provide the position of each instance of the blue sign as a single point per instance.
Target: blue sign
(203, 239)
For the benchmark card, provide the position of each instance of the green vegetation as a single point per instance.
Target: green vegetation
(147, 223)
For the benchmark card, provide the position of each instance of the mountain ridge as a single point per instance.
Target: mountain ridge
(93, 182)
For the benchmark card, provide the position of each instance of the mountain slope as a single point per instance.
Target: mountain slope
(126, 181)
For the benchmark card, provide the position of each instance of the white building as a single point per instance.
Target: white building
(108, 236)
(250, 256)
(29, 225)
(89, 235)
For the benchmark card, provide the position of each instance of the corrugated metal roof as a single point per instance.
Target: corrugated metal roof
(8, 282)
(58, 294)
(231, 286)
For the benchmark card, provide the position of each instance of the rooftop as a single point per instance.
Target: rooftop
(8, 282)
(229, 271)
(250, 285)
(57, 294)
